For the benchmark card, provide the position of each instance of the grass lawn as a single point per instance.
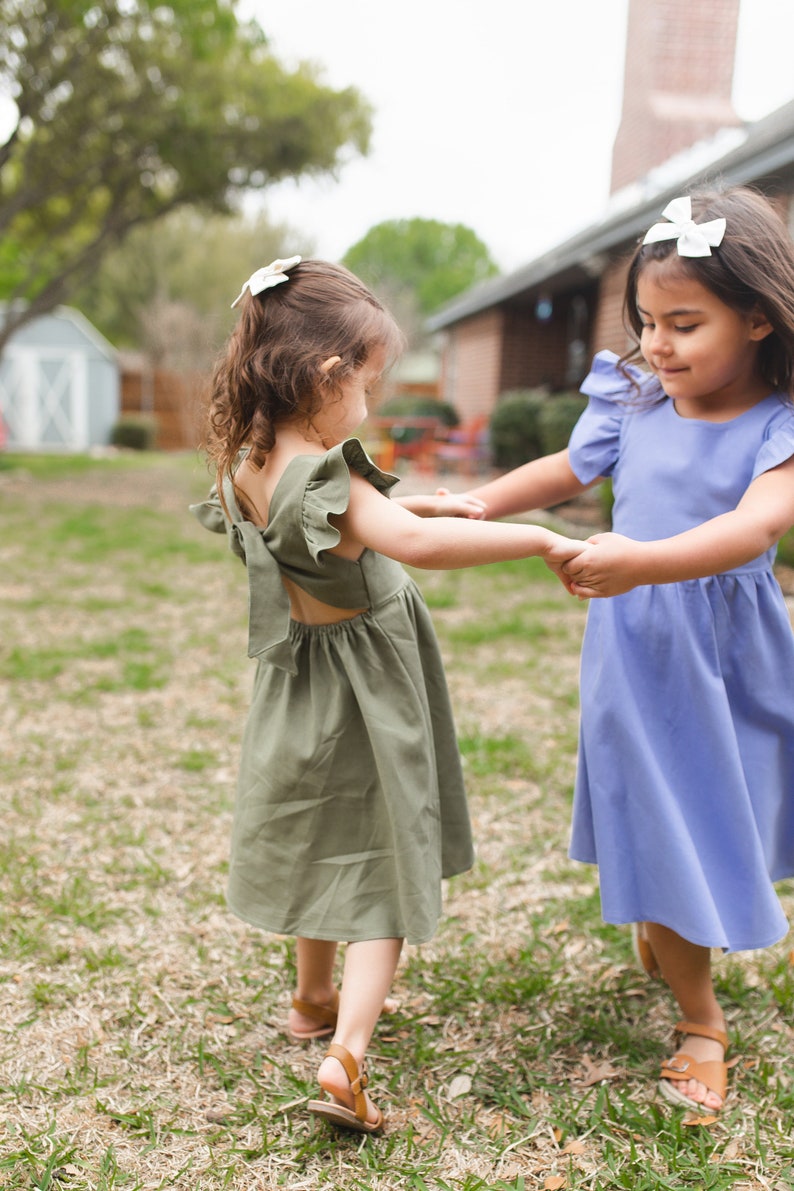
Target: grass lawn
(141, 1025)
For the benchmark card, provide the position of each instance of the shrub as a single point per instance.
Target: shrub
(514, 429)
(136, 432)
(558, 416)
(419, 407)
(606, 499)
(785, 549)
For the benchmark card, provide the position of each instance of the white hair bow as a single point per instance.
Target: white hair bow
(272, 274)
(694, 239)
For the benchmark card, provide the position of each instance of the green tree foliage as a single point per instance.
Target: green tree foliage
(430, 260)
(187, 261)
(128, 109)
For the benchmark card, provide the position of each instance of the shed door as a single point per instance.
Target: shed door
(44, 398)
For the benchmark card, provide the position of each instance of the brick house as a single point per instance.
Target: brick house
(540, 325)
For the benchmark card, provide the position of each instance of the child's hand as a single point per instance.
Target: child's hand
(559, 554)
(607, 566)
(458, 504)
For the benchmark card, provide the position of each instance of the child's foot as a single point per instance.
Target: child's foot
(697, 1075)
(344, 1081)
(312, 1019)
(317, 1019)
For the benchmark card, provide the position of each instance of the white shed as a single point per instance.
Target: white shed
(60, 388)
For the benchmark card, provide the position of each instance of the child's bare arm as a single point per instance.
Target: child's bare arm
(443, 543)
(613, 564)
(535, 485)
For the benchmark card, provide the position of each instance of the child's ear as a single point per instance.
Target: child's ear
(332, 362)
(760, 325)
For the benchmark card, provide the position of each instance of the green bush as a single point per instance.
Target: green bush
(558, 416)
(606, 499)
(785, 549)
(514, 428)
(419, 407)
(134, 432)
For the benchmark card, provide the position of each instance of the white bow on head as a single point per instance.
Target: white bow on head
(272, 274)
(694, 239)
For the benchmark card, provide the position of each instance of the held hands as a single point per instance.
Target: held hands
(560, 554)
(608, 565)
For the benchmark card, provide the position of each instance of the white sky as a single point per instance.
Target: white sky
(499, 114)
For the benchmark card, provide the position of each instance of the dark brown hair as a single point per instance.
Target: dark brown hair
(752, 269)
(270, 370)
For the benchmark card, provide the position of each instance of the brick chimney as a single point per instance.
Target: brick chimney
(677, 82)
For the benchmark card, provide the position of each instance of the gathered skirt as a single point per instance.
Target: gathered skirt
(350, 804)
(685, 787)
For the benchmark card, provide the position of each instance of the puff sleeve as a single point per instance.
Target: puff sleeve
(779, 445)
(595, 442)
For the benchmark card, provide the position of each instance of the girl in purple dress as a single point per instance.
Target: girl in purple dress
(685, 784)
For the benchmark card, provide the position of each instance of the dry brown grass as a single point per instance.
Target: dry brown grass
(141, 1025)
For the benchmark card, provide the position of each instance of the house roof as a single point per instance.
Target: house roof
(37, 329)
(765, 152)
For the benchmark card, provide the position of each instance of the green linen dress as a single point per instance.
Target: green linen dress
(350, 803)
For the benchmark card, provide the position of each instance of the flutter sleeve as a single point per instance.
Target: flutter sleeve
(595, 442)
(328, 492)
(778, 446)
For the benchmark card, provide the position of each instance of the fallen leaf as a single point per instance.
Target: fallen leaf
(697, 1119)
(557, 1135)
(559, 928)
(574, 1147)
(554, 1182)
(596, 1072)
(217, 1116)
(459, 1086)
(498, 1127)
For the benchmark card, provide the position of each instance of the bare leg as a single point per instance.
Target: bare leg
(687, 969)
(315, 960)
(368, 974)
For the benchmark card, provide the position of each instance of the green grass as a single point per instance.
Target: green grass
(141, 1025)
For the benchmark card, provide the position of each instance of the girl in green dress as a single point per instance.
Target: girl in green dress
(350, 804)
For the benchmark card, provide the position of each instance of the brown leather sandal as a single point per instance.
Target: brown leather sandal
(711, 1072)
(324, 1015)
(336, 1113)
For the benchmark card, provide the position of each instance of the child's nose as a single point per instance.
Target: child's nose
(660, 341)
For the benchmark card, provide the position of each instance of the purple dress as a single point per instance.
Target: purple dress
(685, 785)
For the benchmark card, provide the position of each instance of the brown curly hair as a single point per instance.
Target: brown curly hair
(752, 269)
(270, 370)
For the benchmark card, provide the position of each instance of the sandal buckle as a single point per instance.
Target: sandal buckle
(679, 1065)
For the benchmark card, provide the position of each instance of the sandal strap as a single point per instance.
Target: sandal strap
(358, 1078)
(325, 1014)
(699, 1031)
(711, 1072)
